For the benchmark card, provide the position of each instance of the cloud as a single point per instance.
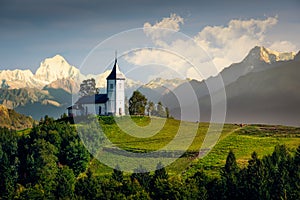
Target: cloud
(223, 45)
(164, 27)
(283, 46)
(231, 43)
(175, 51)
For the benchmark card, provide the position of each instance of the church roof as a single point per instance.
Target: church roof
(115, 73)
(93, 99)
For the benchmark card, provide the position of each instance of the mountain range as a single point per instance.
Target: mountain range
(50, 88)
(53, 72)
(261, 88)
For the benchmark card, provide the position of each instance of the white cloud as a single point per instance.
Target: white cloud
(164, 27)
(231, 43)
(224, 45)
(283, 46)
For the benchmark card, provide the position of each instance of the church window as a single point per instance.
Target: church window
(111, 86)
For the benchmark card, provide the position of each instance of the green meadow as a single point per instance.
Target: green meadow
(242, 140)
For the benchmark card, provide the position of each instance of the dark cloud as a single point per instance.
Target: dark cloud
(42, 28)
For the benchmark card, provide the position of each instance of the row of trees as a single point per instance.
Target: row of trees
(139, 105)
(48, 163)
(275, 176)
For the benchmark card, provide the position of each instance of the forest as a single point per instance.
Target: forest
(50, 161)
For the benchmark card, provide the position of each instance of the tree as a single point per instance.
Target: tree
(87, 187)
(133, 190)
(295, 176)
(77, 157)
(157, 110)
(142, 176)
(33, 192)
(137, 103)
(42, 166)
(160, 110)
(118, 174)
(229, 177)
(150, 108)
(279, 173)
(9, 162)
(160, 172)
(65, 183)
(88, 87)
(254, 177)
(167, 112)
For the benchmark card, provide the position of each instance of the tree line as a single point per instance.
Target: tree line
(139, 105)
(51, 162)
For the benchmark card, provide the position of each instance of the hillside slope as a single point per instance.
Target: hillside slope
(11, 119)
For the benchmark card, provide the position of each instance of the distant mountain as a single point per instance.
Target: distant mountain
(11, 119)
(19, 79)
(53, 72)
(258, 59)
(67, 84)
(155, 89)
(35, 102)
(271, 96)
(263, 54)
(52, 69)
(48, 91)
(268, 93)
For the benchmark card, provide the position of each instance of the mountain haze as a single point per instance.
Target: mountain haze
(263, 90)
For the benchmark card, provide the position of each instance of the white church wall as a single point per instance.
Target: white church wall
(94, 109)
(120, 97)
(111, 86)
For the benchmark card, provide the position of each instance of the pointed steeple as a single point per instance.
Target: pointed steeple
(115, 72)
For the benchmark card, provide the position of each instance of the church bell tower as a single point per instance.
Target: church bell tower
(115, 91)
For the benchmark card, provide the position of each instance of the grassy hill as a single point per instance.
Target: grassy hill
(242, 140)
(259, 138)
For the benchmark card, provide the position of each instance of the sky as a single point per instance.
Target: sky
(32, 30)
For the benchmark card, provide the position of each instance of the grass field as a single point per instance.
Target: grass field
(242, 140)
(259, 138)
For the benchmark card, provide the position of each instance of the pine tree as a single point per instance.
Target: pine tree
(142, 176)
(118, 174)
(229, 177)
(9, 162)
(65, 183)
(160, 172)
(254, 177)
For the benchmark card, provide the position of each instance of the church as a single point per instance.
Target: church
(111, 103)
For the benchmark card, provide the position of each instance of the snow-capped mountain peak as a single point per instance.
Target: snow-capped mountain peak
(168, 83)
(55, 68)
(263, 54)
